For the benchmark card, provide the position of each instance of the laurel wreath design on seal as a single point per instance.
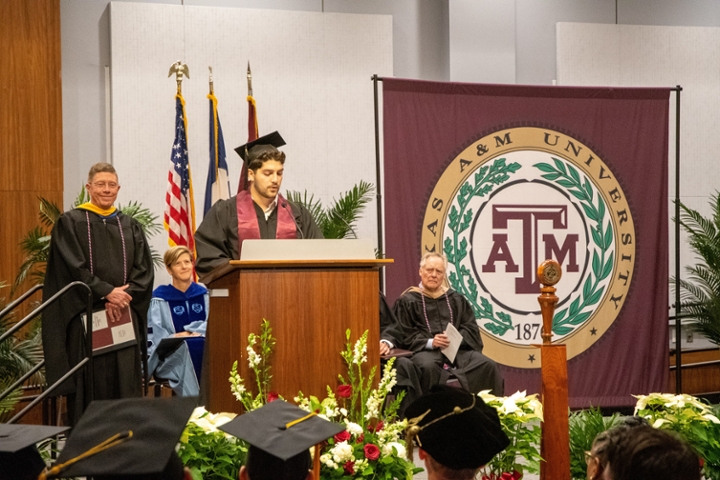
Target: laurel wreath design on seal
(485, 179)
(567, 176)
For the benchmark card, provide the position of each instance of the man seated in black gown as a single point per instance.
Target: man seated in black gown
(424, 313)
(260, 212)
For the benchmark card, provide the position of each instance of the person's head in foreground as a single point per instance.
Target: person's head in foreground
(640, 452)
(129, 439)
(455, 431)
(280, 437)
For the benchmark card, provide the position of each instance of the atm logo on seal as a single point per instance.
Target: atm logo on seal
(508, 202)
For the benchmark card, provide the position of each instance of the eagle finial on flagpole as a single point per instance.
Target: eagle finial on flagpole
(249, 78)
(212, 89)
(179, 69)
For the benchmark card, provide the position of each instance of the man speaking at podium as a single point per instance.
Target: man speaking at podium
(258, 213)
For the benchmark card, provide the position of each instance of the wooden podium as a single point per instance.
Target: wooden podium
(309, 304)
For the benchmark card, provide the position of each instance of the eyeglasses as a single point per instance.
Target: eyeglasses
(111, 185)
(589, 456)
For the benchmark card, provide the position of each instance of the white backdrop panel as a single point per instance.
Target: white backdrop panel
(656, 56)
(311, 80)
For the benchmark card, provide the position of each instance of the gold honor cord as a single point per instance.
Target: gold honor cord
(413, 429)
(113, 441)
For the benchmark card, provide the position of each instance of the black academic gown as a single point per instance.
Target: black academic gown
(216, 239)
(408, 375)
(474, 370)
(116, 374)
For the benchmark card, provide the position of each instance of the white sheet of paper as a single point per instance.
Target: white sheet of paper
(455, 340)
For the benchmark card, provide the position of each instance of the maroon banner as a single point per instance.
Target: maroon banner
(499, 178)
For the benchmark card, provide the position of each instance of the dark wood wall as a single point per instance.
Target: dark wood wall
(31, 160)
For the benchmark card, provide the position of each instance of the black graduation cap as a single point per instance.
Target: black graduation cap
(455, 427)
(129, 438)
(281, 429)
(267, 143)
(19, 458)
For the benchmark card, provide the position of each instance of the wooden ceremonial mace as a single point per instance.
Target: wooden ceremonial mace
(555, 440)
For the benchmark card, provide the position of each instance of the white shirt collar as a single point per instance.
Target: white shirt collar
(270, 208)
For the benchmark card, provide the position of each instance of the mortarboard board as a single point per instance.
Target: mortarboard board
(129, 438)
(267, 143)
(19, 458)
(281, 430)
(455, 427)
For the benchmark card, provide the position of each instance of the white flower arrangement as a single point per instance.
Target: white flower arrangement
(691, 418)
(210, 422)
(520, 416)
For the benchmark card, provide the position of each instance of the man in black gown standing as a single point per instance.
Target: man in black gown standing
(97, 244)
(425, 312)
(260, 212)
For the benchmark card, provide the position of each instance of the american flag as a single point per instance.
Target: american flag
(179, 205)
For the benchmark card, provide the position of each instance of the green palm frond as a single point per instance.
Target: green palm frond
(36, 245)
(313, 206)
(49, 212)
(8, 403)
(146, 219)
(338, 220)
(17, 356)
(700, 291)
(83, 197)
(585, 425)
(347, 209)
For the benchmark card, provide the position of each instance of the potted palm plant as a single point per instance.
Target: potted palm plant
(700, 292)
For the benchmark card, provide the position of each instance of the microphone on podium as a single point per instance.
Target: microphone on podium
(348, 225)
(292, 215)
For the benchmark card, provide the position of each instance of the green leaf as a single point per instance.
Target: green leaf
(544, 167)
(595, 297)
(590, 213)
(574, 307)
(596, 265)
(560, 165)
(558, 330)
(608, 236)
(579, 318)
(587, 288)
(574, 174)
(607, 268)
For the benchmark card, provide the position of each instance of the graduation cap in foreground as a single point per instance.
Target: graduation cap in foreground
(19, 458)
(133, 438)
(280, 435)
(455, 427)
(267, 143)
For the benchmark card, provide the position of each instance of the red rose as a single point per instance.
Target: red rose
(344, 391)
(377, 427)
(272, 396)
(343, 436)
(360, 438)
(372, 452)
(349, 467)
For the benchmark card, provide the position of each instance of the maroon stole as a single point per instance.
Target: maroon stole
(248, 223)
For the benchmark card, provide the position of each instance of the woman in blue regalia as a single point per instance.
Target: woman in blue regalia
(178, 310)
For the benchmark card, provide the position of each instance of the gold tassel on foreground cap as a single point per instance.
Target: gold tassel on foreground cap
(113, 441)
(413, 429)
